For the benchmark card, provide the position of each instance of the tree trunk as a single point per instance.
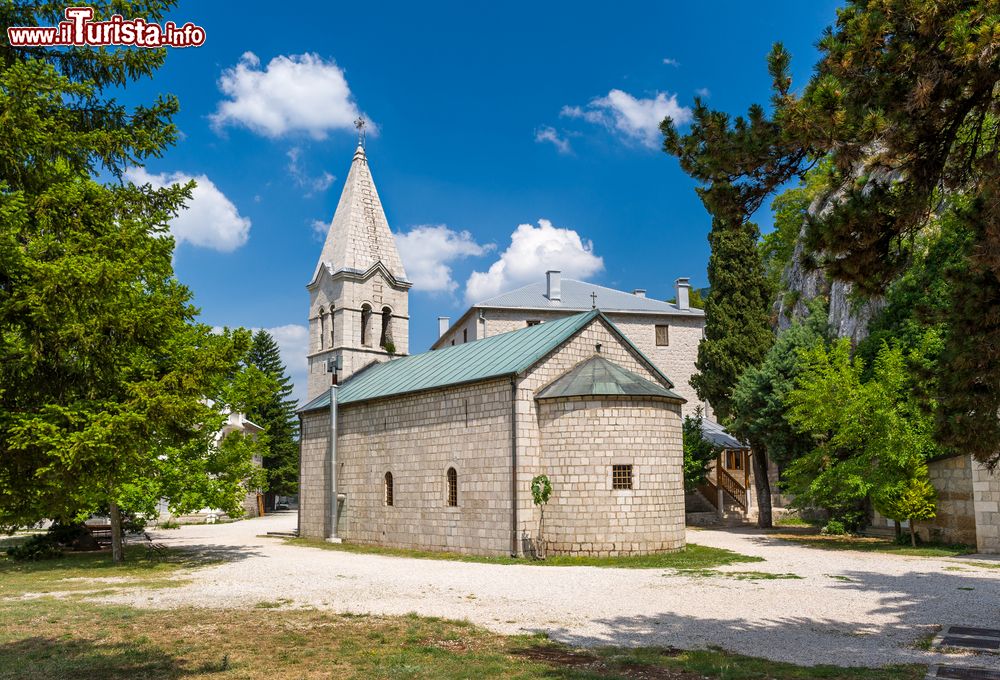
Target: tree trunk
(913, 534)
(117, 546)
(763, 486)
(541, 535)
(898, 527)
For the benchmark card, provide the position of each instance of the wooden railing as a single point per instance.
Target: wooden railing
(731, 486)
(710, 492)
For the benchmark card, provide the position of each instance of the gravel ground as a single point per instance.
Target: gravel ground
(849, 608)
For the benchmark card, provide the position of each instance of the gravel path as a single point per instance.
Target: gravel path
(848, 608)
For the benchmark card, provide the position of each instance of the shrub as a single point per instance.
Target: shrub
(38, 547)
(834, 528)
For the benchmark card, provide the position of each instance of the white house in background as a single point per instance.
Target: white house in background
(235, 422)
(666, 332)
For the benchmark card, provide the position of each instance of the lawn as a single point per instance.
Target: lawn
(874, 544)
(691, 557)
(56, 632)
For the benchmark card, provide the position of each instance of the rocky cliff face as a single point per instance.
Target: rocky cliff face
(803, 280)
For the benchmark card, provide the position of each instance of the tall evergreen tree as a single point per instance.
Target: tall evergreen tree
(110, 394)
(275, 412)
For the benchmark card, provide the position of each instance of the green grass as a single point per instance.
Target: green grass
(873, 544)
(796, 521)
(740, 575)
(691, 557)
(69, 637)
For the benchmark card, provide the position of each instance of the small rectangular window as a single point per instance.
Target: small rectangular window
(465, 335)
(734, 460)
(662, 336)
(621, 476)
(533, 322)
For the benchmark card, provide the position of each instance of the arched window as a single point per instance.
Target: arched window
(452, 488)
(388, 488)
(322, 327)
(386, 338)
(366, 320)
(332, 343)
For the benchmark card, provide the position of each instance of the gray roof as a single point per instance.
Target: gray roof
(493, 357)
(715, 433)
(599, 377)
(576, 295)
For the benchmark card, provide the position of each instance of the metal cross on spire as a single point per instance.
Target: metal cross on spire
(593, 300)
(360, 125)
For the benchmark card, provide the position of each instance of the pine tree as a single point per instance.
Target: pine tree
(110, 393)
(275, 412)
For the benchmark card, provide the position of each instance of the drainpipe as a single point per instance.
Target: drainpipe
(298, 509)
(334, 496)
(513, 466)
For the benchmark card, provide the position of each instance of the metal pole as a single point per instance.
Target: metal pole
(334, 496)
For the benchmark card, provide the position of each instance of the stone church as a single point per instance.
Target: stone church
(437, 450)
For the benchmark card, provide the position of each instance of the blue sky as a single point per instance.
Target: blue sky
(486, 117)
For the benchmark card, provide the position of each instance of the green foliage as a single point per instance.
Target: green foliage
(699, 453)
(790, 209)
(912, 498)
(905, 105)
(110, 393)
(759, 398)
(38, 547)
(868, 434)
(541, 489)
(834, 528)
(274, 410)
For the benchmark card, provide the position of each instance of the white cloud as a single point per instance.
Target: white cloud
(703, 92)
(312, 185)
(210, 220)
(532, 251)
(549, 134)
(297, 93)
(428, 250)
(671, 62)
(320, 228)
(636, 119)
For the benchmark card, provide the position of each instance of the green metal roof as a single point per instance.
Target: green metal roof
(599, 377)
(493, 357)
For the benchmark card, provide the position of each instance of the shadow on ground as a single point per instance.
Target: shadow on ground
(915, 604)
(48, 657)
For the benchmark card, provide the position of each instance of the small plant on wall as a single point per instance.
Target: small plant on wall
(541, 489)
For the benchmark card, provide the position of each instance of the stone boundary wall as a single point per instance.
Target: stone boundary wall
(986, 495)
(955, 521)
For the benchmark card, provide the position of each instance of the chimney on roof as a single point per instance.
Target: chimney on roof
(443, 323)
(683, 286)
(639, 292)
(553, 285)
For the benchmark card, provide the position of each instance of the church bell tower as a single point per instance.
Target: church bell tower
(359, 294)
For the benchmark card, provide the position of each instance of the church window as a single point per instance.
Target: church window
(621, 476)
(388, 488)
(331, 327)
(322, 327)
(452, 488)
(465, 335)
(662, 336)
(386, 338)
(366, 320)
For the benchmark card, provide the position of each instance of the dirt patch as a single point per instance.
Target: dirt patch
(564, 658)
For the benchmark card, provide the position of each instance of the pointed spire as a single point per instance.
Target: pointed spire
(359, 234)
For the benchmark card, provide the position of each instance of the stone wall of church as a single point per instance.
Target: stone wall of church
(417, 438)
(665, 523)
(581, 439)
(676, 359)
